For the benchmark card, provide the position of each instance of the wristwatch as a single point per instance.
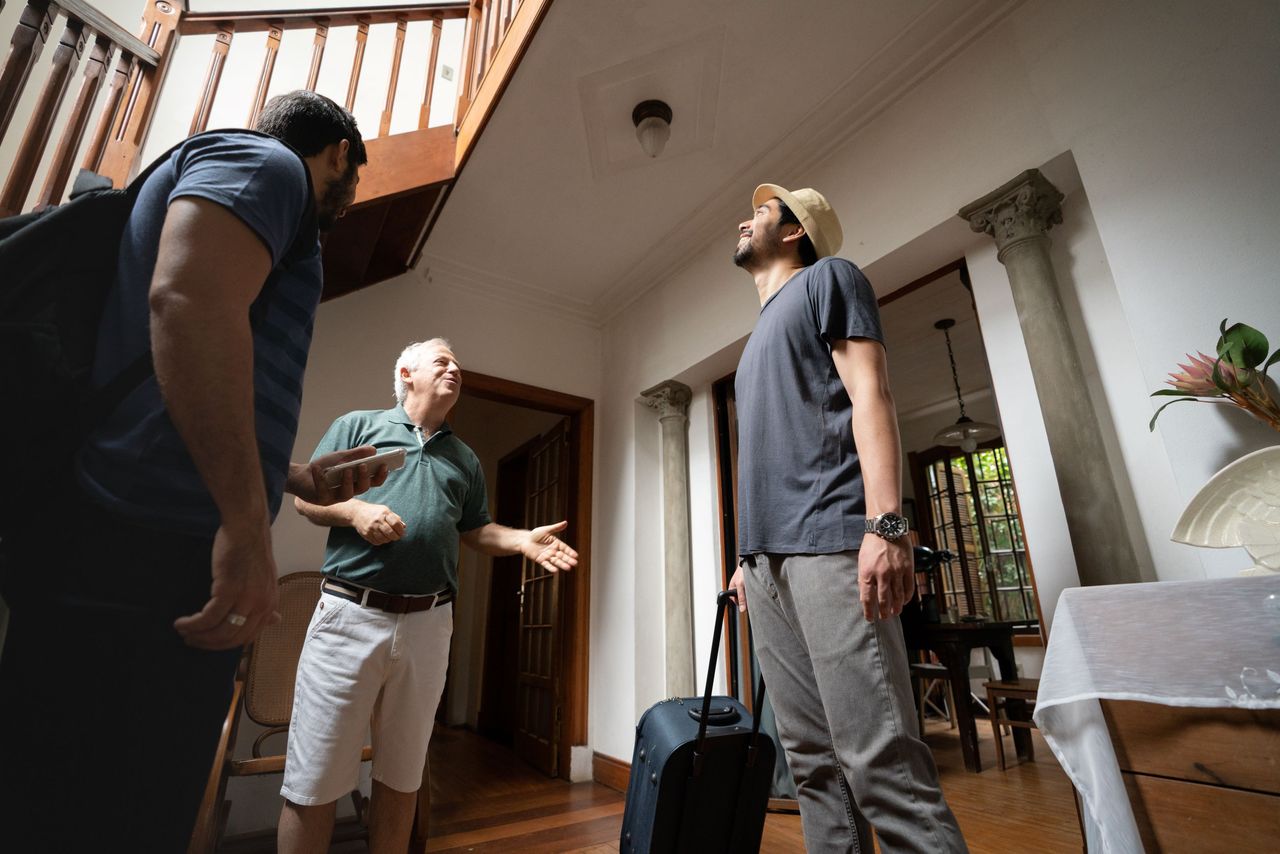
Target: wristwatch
(887, 526)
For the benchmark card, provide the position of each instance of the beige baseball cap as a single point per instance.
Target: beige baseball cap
(814, 212)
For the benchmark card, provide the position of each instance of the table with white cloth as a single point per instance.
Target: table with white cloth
(1206, 644)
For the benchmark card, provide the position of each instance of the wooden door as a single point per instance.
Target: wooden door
(538, 710)
(497, 716)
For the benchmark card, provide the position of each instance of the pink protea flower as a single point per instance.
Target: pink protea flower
(1197, 377)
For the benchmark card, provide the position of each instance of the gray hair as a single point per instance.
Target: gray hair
(409, 359)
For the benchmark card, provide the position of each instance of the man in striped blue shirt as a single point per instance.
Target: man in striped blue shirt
(119, 643)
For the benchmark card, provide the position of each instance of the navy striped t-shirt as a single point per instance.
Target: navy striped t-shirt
(136, 465)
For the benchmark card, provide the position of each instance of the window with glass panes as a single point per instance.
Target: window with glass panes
(973, 513)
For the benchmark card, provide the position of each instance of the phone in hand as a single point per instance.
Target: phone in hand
(392, 459)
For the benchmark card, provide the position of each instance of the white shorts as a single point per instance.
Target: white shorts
(362, 668)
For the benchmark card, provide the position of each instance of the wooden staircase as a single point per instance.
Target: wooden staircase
(400, 194)
(408, 176)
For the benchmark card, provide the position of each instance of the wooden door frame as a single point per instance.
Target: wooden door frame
(574, 652)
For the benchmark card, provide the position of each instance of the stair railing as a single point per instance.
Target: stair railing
(497, 34)
(131, 92)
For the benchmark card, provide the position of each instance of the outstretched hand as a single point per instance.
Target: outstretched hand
(543, 547)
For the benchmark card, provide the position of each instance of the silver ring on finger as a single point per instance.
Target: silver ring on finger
(237, 620)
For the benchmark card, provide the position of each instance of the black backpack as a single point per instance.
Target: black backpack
(56, 268)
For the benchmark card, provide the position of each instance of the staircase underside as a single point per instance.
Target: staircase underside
(399, 196)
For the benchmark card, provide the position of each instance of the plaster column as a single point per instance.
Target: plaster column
(671, 401)
(1019, 216)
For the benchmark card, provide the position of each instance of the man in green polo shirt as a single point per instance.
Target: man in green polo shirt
(378, 646)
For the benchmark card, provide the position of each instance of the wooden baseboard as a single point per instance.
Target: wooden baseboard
(610, 772)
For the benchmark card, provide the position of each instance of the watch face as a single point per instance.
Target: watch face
(891, 526)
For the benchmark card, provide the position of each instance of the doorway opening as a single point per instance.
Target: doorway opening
(519, 668)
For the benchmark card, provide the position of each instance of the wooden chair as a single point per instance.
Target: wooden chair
(264, 692)
(999, 693)
(932, 679)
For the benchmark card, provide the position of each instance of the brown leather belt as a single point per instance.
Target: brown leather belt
(388, 602)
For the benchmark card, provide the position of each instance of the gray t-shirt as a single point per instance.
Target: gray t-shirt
(799, 479)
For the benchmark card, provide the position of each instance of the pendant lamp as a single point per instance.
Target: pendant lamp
(966, 433)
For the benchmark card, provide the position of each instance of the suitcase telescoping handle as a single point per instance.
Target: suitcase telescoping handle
(723, 600)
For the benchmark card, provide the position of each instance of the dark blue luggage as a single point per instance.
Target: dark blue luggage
(700, 773)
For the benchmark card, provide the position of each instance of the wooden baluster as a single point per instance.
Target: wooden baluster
(159, 31)
(482, 43)
(475, 42)
(317, 52)
(384, 127)
(495, 32)
(506, 21)
(424, 114)
(264, 79)
(65, 59)
(28, 41)
(362, 36)
(119, 77)
(486, 33)
(95, 71)
(468, 62)
(212, 77)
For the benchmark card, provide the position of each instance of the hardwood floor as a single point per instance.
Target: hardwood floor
(484, 799)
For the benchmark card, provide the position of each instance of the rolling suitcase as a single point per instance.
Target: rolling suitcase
(700, 773)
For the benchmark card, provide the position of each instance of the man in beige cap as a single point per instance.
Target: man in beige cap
(821, 538)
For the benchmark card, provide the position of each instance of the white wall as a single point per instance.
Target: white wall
(1168, 110)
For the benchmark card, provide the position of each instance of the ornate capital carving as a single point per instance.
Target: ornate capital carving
(668, 398)
(1025, 208)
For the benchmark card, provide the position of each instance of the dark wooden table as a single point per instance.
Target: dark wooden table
(954, 643)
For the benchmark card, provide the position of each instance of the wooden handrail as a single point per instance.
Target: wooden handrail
(207, 23)
(100, 24)
(482, 86)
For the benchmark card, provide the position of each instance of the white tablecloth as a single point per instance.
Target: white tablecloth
(1188, 643)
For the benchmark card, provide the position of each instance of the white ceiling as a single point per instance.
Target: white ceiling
(558, 207)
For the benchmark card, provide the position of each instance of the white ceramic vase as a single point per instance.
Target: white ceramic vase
(1239, 508)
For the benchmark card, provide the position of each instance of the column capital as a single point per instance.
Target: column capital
(1023, 209)
(668, 398)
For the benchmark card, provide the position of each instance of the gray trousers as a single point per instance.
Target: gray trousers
(842, 694)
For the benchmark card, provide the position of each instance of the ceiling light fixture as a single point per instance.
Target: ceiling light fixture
(653, 126)
(966, 432)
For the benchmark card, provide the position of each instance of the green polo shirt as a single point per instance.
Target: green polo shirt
(439, 493)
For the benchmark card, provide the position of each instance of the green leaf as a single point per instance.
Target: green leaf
(1275, 357)
(1230, 349)
(1248, 346)
(1152, 426)
(1172, 392)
